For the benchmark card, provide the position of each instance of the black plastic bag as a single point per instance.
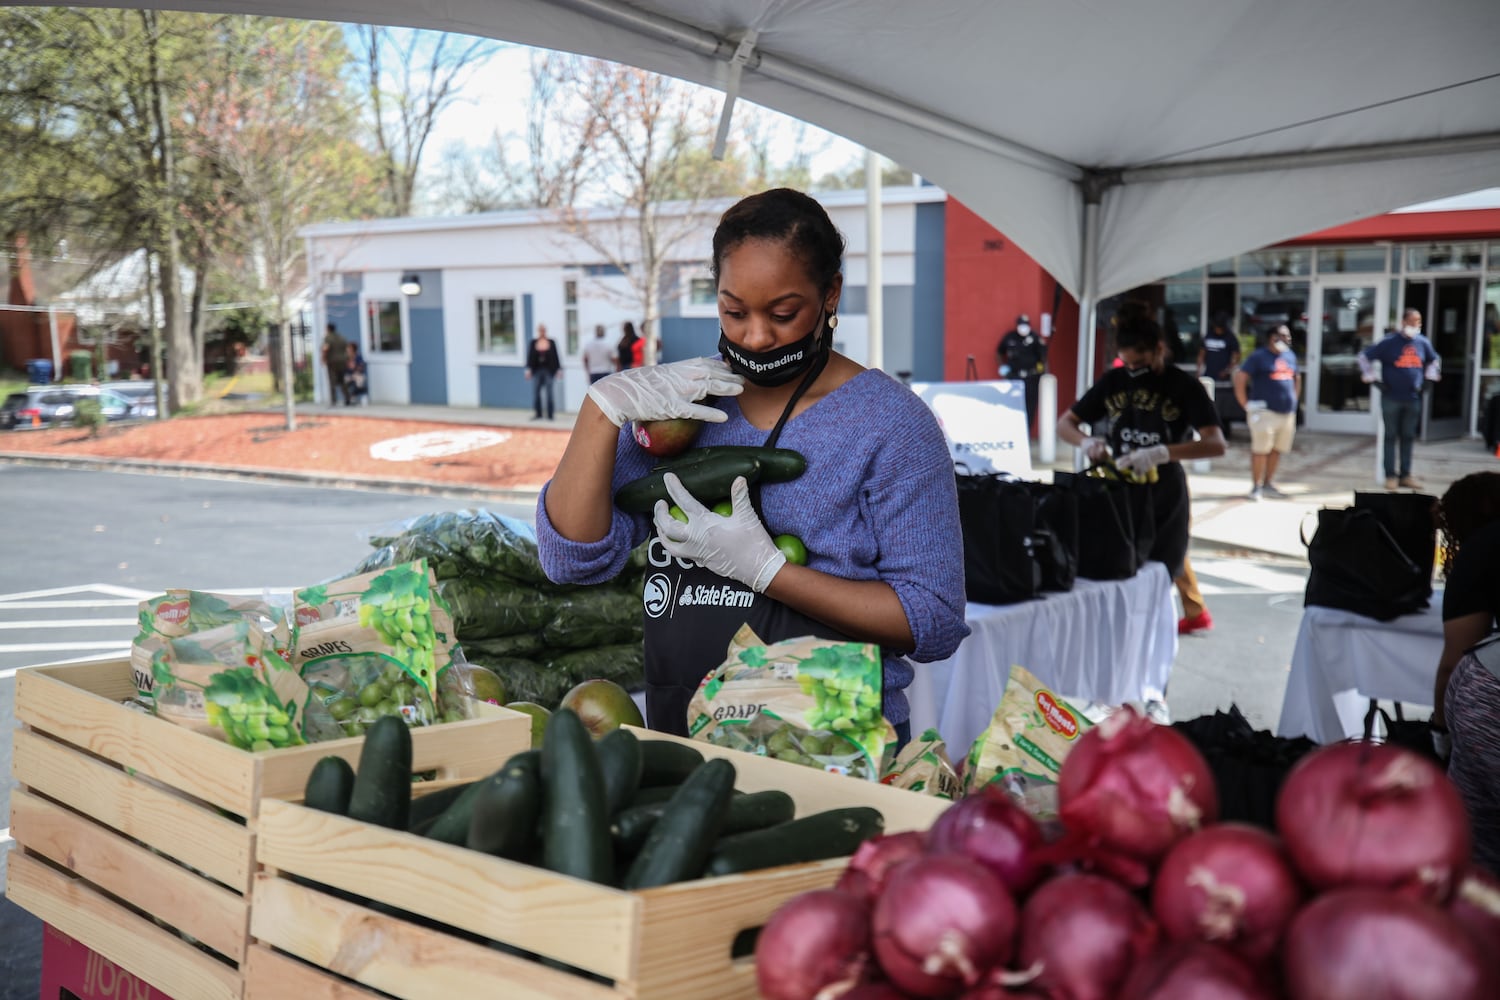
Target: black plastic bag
(1409, 519)
(998, 517)
(1055, 540)
(1248, 765)
(1358, 566)
(1107, 548)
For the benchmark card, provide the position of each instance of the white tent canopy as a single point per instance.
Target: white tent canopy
(1115, 143)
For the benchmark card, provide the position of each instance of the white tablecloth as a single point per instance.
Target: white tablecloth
(1342, 660)
(1111, 641)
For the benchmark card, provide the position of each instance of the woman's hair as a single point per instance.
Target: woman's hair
(1135, 328)
(629, 331)
(788, 217)
(1470, 503)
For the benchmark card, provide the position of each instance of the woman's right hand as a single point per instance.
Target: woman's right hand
(666, 392)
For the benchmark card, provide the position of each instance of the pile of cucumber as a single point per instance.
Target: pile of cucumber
(621, 812)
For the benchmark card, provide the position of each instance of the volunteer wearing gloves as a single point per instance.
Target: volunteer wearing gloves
(877, 507)
(1153, 409)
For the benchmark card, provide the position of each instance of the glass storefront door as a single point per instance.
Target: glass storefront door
(1447, 306)
(1343, 320)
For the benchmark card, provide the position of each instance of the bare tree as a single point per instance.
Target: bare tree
(411, 77)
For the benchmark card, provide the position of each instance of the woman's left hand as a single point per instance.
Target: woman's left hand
(1143, 460)
(737, 547)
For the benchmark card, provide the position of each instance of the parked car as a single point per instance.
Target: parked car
(140, 392)
(46, 406)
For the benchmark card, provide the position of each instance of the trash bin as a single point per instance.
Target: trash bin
(81, 366)
(39, 371)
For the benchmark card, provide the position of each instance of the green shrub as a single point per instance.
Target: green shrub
(302, 385)
(87, 413)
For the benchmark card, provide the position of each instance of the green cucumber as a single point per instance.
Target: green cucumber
(506, 809)
(832, 834)
(667, 762)
(777, 465)
(427, 808)
(678, 846)
(755, 811)
(575, 813)
(452, 825)
(620, 763)
(382, 782)
(708, 481)
(656, 795)
(329, 786)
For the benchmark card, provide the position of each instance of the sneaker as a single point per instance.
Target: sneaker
(1390, 482)
(1201, 622)
(1254, 494)
(1409, 483)
(1273, 492)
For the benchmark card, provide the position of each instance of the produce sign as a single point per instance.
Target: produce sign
(1026, 743)
(1365, 890)
(810, 701)
(540, 638)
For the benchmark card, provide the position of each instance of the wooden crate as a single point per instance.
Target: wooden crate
(123, 817)
(669, 942)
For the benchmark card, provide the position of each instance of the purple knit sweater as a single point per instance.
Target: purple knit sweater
(878, 501)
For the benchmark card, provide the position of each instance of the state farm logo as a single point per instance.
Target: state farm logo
(175, 613)
(657, 596)
(1058, 719)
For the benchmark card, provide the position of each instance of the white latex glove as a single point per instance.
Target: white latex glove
(1095, 449)
(666, 392)
(736, 547)
(1143, 460)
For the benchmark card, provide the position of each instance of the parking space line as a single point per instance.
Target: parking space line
(87, 588)
(74, 623)
(107, 602)
(54, 647)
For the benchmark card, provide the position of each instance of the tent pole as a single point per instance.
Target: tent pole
(1088, 279)
(874, 274)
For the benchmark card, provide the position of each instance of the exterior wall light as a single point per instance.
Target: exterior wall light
(411, 284)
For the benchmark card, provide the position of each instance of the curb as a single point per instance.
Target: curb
(206, 470)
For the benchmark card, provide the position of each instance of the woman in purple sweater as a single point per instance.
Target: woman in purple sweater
(877, 506)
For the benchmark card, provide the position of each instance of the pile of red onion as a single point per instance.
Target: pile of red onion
(1365, 890)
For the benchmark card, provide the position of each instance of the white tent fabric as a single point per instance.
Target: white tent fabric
(1203, 130)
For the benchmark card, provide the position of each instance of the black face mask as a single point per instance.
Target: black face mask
(777, 366)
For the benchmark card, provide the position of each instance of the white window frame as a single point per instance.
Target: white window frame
(367, 329)
(506, 358)
(696, 310)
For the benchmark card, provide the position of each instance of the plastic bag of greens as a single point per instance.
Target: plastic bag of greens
(182, 612)
(593, 616)
(809, 701)
(467, 541)
(623, 663)
(492, 606)
(1025, 744)
(523, 644)
(373, 645)
(230, 682)
(525, 680)
(923, 766)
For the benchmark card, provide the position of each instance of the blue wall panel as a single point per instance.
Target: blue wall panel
(929, 294)
(683, 338)
(427, 374)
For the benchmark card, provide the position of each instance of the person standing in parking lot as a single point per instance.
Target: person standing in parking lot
(599, 356)
(1267, 387)
(333, 363)
(1220, 351)
(1408, 361)
(1023, 355)
(542, 366)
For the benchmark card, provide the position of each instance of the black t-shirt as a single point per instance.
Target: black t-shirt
(1219, 349)
(1146, 408)
(1473, 586)
(1024, 352)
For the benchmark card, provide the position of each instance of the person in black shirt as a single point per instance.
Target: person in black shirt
(1466, 690)
(542, 365)
(1153, 410)
(1023, 355)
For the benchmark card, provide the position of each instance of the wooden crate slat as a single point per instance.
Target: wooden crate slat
(398, 957)
(133, 943)
(198, 837)
(194, 905)
(174, 755)
(590, 926)
(710, 915)
(103, 677)
(272, 976)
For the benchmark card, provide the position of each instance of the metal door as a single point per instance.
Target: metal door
(1343, 319)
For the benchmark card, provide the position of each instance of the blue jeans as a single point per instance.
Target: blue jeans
(541, 387)
(1400, 417)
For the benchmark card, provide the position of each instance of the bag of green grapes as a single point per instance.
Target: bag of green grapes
(377, 644)
(231, 683)
(179, 612)
(810, 701)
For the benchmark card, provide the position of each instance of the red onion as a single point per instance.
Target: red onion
(1135, 788)
(873, 860)
(817, 941)
(990, 828)
(1376, 815)
(941, 924)
(1228, 883)
(1476, 906)
(1354, 944)
(873, 991)
(1193, 970)
(1087, 932)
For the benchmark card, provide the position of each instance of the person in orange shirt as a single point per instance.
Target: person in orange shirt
(1408, 361)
